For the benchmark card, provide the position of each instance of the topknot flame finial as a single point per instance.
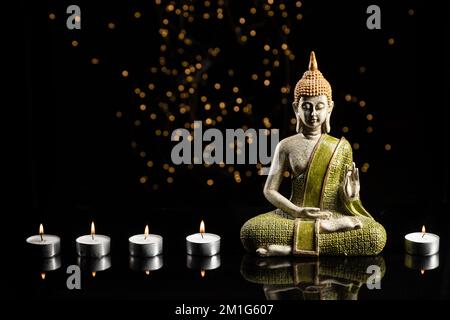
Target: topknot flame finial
(312, 62)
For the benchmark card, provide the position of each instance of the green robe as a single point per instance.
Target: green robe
(319, 186)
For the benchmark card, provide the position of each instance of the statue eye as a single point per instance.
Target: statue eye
(305, 106)
(320, 106)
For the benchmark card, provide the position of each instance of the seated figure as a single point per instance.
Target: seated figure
(324, 214)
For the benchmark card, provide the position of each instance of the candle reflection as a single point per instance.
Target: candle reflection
(203, 263)
(50, 264)
(146, 264)
(94, 265)
(45, 265)
(422, 263)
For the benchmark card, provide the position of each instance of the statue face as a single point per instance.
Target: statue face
(313, 111)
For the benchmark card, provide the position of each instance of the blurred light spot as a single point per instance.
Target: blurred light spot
(143, 179)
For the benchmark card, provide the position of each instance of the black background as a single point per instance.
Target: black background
(76, 164)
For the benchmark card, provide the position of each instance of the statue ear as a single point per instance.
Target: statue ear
(326, 127)
(299, 126)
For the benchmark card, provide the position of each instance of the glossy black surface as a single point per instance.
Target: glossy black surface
(235, 278)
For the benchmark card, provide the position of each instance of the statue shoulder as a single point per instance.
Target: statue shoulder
(344, 142)
(341, 143)
(333, 139)
(345, 145)
(288, 143)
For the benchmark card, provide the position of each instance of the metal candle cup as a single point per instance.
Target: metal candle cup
(93, 245)
(203, 244)
(422, 243)
(145, 245)
(44, 245)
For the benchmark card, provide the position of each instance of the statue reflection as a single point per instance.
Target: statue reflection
(327, 278)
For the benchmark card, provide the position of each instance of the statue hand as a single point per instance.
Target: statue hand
(351, 183)
(313, 213)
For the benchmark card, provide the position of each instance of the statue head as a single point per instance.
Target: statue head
(312, 99)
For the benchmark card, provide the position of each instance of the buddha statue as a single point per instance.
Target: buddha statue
(324, 214)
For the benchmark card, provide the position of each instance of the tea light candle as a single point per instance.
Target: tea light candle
(45, 245)
(422, 243)
(203, 244)
(145, 245)
(93, 245)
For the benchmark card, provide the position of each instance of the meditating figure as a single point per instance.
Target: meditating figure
(324, 214)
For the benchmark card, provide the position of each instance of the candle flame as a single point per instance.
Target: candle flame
(202, 273)
(94, 274)
(41, 231)
(92, 230)
(43, 275)
(422, 271)
(202, 228)
(146, 231)
(147, 272)
(423, 230)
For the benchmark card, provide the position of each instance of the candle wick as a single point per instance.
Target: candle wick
(201, 234)
(92, 236)
(42, 237)
(423, 234)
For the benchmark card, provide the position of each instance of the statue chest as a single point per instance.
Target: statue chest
(299, 158)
